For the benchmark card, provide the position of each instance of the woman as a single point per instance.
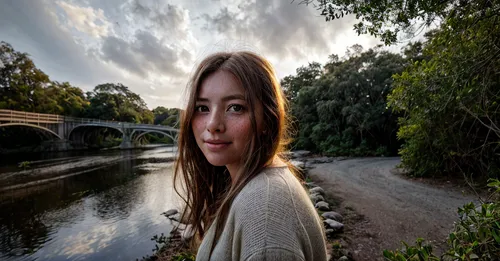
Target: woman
(242, 199)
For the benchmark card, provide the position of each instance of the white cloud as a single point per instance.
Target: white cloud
(151, 46)
(289, 34)
(86, 19)
(145, 55)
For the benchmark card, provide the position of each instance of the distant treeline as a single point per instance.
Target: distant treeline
(24, 87)
(437, 104)
(341, 108)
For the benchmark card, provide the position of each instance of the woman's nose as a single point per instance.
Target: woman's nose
(216, 123)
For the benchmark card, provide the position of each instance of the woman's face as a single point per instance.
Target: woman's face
(221, 121)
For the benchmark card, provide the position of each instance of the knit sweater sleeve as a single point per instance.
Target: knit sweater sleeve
(275, 254)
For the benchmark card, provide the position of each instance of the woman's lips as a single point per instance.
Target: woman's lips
(217, 146)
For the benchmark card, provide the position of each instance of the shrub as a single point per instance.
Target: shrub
(184, 257)
(420, 252)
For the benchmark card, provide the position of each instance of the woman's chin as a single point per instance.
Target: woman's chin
(216, 161)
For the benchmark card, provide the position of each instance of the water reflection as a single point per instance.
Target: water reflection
(107, 214)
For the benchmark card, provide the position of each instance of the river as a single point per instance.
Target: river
(106, 206)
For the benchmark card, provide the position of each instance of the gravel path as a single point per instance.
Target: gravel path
(385, 208)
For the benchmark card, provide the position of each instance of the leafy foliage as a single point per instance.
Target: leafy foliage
(420, 252)
(116, 102)
(451, 102)
(388, 19)
(20, 81)
(24, 164)
(165, 116)
(160, 240)
(340, 109)
(184, 257)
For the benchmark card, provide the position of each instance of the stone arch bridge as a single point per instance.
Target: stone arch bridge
(67, 131)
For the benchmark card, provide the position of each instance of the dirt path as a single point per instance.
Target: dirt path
(382, 207)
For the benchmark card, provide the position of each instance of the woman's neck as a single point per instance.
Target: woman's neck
(276, 162)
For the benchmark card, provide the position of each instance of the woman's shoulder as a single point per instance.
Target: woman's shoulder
(275, 187)
(274, 211)
(277, 177)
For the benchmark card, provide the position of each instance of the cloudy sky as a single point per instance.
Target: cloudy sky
(151, 46)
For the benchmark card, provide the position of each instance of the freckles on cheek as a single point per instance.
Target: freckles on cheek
(242, 129)
(197, 125)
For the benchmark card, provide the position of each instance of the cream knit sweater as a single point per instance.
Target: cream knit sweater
(272, 218)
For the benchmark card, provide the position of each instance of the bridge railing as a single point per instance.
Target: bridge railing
(40, 118)
(88, 120)
(121, 123)
(29, 117)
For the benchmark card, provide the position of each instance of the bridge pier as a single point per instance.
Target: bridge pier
(126, 140)
(126, 145)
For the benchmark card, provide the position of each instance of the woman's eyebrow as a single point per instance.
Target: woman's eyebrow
(225, 98)
(233, 97)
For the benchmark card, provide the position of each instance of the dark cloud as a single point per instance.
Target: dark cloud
(33, 27)
(120, 52)
(226, 22)
(138, 8)
(156, 41)
(280, 27)
(166, 18)
(143, 55)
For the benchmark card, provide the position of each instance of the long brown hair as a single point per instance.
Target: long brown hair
(208, 190)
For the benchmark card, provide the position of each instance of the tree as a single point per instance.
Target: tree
(62, 99)
(116, 102)
(452, 100)
(20, 80)
(305, 77)
(167, 117)
(25, 87)
(341, 109)
(387, 19)
(449, 93)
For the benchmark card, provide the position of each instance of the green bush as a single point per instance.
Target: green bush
(420, 252)
(24, 165)
(477, 234)
(451, 101)
(184, 257)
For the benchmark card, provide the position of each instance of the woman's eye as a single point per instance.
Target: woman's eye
(201, 108)
(235, 108)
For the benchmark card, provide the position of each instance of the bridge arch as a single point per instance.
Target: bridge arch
(93, 125)
(150, 131)
(89, 135)
(33, 126)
